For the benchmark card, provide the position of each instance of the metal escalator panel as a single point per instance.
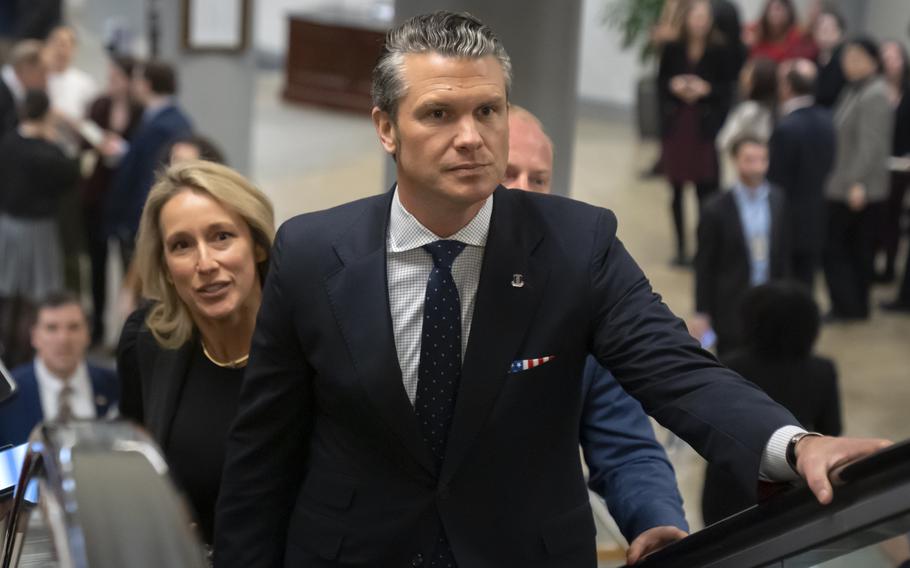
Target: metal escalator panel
(105, 500)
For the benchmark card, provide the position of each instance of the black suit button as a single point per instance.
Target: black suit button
(443, 491)
(417, 560)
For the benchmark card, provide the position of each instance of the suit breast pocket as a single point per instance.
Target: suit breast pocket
(524, 367)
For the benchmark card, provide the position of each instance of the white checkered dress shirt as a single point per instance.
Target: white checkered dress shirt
(408, 269)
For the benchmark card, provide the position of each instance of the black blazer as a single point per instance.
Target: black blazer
(807, 387)
(151, 377)
(715, 68)
(722, 267)
(802, 151)
(326, 465)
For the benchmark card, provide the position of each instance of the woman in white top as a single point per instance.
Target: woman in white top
(753, 116)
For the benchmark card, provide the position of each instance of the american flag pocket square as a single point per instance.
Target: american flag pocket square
(520, 365)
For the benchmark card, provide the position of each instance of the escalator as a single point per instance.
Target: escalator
(95, 495)
(791, 530)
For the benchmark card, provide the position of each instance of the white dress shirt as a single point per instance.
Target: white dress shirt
(82, 401)
(408, 269)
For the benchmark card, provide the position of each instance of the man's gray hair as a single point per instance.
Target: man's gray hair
(443, 32)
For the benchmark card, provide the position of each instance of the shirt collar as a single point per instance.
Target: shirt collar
(12, 81)
(407, 233)
(796, 104)
(50, 382)
(752, 195)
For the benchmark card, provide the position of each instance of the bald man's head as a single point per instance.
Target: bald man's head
(530, 153)
(796, 78)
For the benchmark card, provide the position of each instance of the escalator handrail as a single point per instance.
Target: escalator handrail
(884, 471)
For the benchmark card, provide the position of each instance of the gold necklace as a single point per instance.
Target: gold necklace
(235, 364)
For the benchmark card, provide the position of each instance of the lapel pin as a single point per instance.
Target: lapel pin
(518, 281)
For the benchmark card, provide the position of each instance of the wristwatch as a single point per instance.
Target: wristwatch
(791, 447)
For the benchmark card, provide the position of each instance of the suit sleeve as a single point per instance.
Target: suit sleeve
(634, 334)
(128, 368)
(267, 444)
(629, 469)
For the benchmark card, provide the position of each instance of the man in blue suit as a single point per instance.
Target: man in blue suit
(413, 396)
(59, 384)
(155, 86)
(629, 469)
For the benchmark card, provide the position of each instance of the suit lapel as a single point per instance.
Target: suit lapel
(168, 377)
(737, 227)
(360, 301)
(502, 314)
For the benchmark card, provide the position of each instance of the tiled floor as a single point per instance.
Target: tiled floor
(308, 159)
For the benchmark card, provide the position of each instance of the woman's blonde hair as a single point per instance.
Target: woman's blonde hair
(169, 318)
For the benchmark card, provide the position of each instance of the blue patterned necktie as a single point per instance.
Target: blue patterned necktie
(440, 349)
(440, 366)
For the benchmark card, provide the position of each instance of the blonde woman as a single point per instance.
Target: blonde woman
(202, 253)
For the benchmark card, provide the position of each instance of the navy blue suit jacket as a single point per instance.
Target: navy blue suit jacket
(136, 171)
(22, 412)
(801, 152)
(628, 467)
(325, 462)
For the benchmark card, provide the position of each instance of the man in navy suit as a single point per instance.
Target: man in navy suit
(59, 384)
(802, 150)
(155, 86)
(413, 396)
(629, 469)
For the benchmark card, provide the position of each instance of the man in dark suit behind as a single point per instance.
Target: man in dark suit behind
(155, 86)
(25, 71)
(802, 151)
(742, 242)
(414, 389)
(59, 384)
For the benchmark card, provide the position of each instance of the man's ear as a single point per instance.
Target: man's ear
(385, 128)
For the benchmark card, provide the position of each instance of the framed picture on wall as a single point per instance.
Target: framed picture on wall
(215, 25)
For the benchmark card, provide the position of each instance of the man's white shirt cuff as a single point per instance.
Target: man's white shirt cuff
(774, 466)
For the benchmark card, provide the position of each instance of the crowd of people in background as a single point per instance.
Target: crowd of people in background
(78, 160)
(796, 137)
(831, 111)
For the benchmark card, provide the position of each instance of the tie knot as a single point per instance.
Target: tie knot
(444, 253)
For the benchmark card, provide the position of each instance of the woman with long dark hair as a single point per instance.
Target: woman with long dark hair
(694, 86)
(777, 35)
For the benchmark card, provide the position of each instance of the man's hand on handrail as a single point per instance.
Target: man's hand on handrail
(653, 540)
(817, 456)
